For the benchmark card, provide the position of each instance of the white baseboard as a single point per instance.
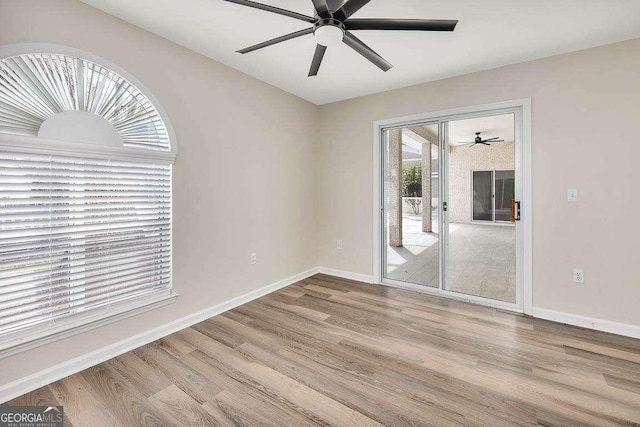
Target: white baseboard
(624, 329)
(47, 376)
(346, 274)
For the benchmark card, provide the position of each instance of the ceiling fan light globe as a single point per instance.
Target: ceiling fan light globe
(328, 35)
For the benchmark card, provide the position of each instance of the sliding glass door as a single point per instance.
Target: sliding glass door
(492, 192)
(448, 221)
(482, 195)
(479, 184)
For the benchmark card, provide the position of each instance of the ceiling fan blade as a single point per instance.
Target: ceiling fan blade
(335, 4)
(484, 143)
(492, 139)
(349, 8)
(276, 40)
(274, 9)
(321, 8)
(401, 24)
(356, 44)
(317, 60)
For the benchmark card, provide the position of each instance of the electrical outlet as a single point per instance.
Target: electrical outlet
(339, 245)
(578, 275)
(252, 258)
(572, 195)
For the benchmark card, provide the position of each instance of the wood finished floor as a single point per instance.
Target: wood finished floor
(329, 351)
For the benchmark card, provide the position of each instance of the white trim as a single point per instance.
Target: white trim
(36, 145)
(377, 203)
(526, 299)
(64, 369)
(451, 295)
(37, 336)
(452, 114)
(623, 329)
(346, 275)
(13, 49)
(527, 208)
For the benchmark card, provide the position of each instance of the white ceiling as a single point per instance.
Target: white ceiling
(490, 33)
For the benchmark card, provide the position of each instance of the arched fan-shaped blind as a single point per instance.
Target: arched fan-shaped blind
(34, 87)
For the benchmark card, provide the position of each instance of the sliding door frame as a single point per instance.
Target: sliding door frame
(522, 110)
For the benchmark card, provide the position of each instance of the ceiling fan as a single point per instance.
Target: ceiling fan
(479, 140)
(332, 24)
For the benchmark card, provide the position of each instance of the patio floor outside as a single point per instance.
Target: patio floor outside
(481, 258)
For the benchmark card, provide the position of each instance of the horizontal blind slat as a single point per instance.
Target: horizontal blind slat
(43, 315)
(17, 258)
(78, 213)
(100, 279)
(90, 242)
(78, 234)
(57, 276)
(29, 206)
(35, 294)
(63, 231)
(65, 296)
(69, 238)
(75, 261)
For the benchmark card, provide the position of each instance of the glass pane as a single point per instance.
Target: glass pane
(505, 192)
(411, 174)
(480, 258)
(482, 196)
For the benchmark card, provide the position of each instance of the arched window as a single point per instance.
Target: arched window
(85, 195)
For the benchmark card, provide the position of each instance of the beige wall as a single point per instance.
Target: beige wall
(586, 109)
(224, 208)
(465, 159)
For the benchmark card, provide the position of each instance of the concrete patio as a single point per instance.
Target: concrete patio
(481, 258)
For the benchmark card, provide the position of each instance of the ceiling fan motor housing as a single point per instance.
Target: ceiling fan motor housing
(328, 32)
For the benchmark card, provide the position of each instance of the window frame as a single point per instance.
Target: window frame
(31, 337)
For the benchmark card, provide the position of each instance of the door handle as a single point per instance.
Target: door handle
(444, 206)
(515, 210)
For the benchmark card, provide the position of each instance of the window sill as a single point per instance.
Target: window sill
(43, 334)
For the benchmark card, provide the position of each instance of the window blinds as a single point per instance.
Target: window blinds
(79, 234)
(34, 87)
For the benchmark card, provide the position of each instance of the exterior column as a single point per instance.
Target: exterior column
(395, 187)
(426, 188)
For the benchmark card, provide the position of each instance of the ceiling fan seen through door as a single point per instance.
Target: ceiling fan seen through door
(479, 140)
(333, 24)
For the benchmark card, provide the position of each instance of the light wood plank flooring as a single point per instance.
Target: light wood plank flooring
(328, 351)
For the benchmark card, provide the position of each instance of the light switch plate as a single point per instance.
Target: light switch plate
(572, 195)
